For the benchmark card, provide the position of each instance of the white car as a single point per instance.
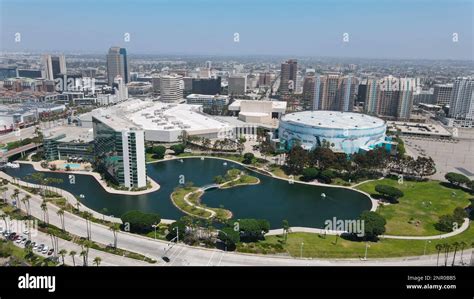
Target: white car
(35, 247)
(45, 250)
(18, 241)
(23, 240)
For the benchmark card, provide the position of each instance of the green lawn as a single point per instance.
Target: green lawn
(422, 201)
(319, 247)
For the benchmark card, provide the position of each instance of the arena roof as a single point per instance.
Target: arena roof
(333, 119)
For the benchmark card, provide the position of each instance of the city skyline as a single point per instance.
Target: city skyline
(208, 29)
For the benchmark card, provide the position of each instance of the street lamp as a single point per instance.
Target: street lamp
(177, 234)
(426, 244)
(155, 226)
(366, 248)
(301, 250)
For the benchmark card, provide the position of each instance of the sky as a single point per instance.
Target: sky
(418, 29)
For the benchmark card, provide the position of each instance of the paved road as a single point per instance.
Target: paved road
(180, 254)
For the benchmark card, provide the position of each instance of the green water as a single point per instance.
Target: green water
(273, 199)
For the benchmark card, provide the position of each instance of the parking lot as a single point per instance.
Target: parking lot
(450, 155)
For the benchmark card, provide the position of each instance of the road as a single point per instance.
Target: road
(183, 255)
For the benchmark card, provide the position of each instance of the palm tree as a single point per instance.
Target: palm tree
(456, 246)
(62, 253)
(44, 208)
(97, 261)
(60, 213)
(4, 217)
(72, 253)
(4, 191)
(16, 192)
(87, 216)
(463, 245)
(84, 257)
(115, 228)
(447, 248)
(439, 247)
(26, 202)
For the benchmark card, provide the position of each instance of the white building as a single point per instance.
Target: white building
(171, 89)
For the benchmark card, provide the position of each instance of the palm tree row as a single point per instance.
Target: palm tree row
(446, 248)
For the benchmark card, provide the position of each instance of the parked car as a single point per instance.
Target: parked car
(23, 240)
(40, 248)
(50, 251)
(12, 236)
(28, 243)
(35, 246)
(45, 250)
(18, 239)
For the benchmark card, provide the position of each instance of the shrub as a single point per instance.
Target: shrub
(140, 222)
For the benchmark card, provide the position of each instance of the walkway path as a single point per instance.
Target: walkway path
(154, 185)
(187, 255)
(295, 229)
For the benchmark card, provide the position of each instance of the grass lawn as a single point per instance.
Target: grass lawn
(149, 157)
(422, 201)
(178, 199)
(318, 246)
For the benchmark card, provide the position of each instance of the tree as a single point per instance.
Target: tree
(26, 202)
(97, 261)
(158, 152)
(140, 222)
(439, 247)
(297, 159)
(456, 178)
(229, 237)
(374, 224)
(253, 229)
(389, 192)
(178, 148)
(60, 213)
(456, 246)
(309, 174)
(177, 228)
(72, 254)
(445, 223)
(62, 253)
(470, 185)
(115, 227)
(424, 166)
(248, 158)
(87, 216)
(44, 208)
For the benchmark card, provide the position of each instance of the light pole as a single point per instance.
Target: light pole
(426, 244)
(301, 250)
(366, 249)
(177, 234)
(154, 226)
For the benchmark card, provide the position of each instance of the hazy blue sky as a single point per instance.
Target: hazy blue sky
(377, 28)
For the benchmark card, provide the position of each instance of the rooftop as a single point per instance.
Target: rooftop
(333, 119)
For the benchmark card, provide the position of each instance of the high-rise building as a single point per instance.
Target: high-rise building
(442, 94)
(117, 65)
(288, 76)
(462, 99)
(347, 91)
(371, 101)
(170, 88)
(237, 84)
(265, 79)
(54, 66)
(388, 94)
(210, 86)
(120, 150)
(8, 72)
(331, 92)
(308, 90)
(405, 101)
(120, 89)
